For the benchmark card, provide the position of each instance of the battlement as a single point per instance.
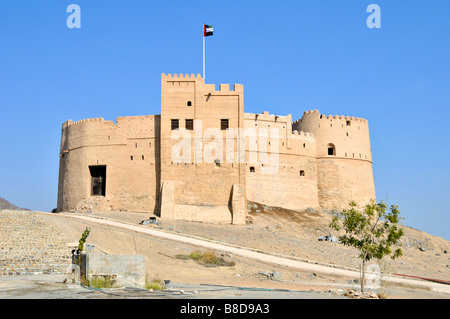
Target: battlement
(181, 76)
(85, 121)
(330, 117)
(185, 79)
(303, 135)
(265, 116)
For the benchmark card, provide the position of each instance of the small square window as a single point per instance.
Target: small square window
(175, 125)
(224, 124)
(189, 124)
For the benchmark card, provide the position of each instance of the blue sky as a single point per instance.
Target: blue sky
(291, 56)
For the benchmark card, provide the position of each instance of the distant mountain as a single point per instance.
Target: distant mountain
(4, 204)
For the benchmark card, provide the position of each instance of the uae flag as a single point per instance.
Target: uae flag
(207, 30)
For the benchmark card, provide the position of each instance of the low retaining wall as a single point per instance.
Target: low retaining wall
(123, 270)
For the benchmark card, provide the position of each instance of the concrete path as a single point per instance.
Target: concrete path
(256, 255)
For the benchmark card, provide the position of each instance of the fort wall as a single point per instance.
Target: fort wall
(289, 182)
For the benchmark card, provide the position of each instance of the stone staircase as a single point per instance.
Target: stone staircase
(30, 246)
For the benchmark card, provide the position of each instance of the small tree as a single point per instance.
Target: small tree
(374, 231)
(83, 239)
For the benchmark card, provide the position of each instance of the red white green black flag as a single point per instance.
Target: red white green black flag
(207, 30)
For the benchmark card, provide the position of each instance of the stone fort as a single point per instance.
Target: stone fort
(322, 162)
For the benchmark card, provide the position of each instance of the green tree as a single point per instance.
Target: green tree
(374, 231)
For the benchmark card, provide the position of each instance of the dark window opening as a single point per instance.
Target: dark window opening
(175, 124)
(224, 124)
(189, 103)
(252, 169)
(348, 123)
(302, 173)
(331, 149)
(131, 157)
(217, 162)
(143, 157)
(189, 125)
(98, 180)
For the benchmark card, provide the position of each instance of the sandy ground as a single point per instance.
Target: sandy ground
(286, 233)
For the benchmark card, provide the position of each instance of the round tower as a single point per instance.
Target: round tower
(344, 159)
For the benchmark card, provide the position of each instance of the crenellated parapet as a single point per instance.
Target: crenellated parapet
(266, 116)
(316, 113)
(88, 121)
(184, 80)
(181, 76)
(303, 135)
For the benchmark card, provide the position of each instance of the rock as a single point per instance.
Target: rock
(276, 276)
(172, 227)
(422, 248)
(328, 238)
(310, 210)
(145, 222)
(265, 273)
(338, 292)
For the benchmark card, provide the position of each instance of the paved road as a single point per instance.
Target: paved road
(260, 256)
(52, 287)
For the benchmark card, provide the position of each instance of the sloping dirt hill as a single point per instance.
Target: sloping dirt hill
(296, 235)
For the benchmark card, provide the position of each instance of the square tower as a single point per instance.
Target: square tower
(202, 140)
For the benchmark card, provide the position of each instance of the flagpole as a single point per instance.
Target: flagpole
(203, 53)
